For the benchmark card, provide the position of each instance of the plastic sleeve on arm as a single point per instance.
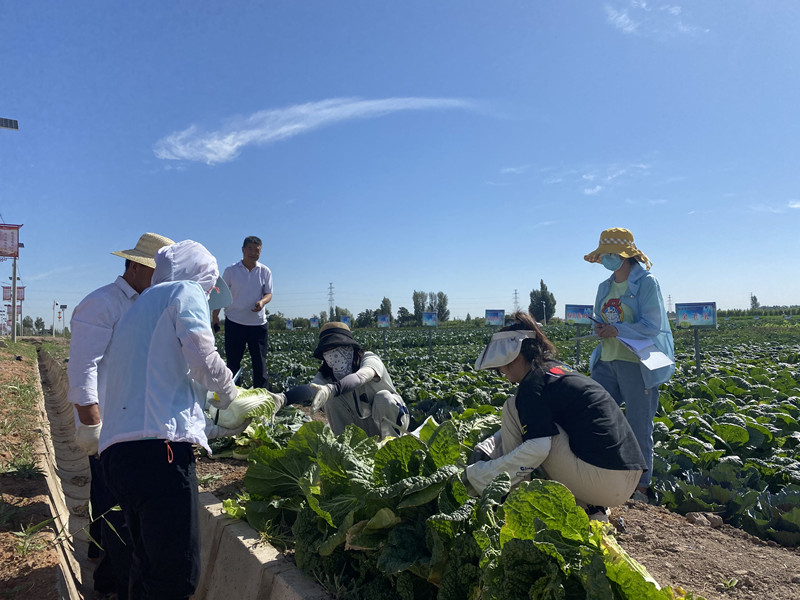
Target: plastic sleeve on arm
(350, 382)
(518, 464)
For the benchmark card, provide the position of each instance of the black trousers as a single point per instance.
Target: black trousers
(254, 337)
(156, 485)
(109, 529)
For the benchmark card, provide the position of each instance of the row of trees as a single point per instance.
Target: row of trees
(542, 306)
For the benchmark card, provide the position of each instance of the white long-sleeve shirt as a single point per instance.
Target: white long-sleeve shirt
(92, 325)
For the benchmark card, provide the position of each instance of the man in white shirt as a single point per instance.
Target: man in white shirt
(92, 326)
(250, 283)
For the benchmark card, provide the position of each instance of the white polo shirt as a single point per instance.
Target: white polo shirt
(248, 286)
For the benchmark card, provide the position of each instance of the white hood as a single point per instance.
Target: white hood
(186, 261)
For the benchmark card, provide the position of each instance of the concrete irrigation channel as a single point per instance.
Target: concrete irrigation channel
(236, 563)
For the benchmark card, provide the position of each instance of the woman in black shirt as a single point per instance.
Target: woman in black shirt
(559, 420)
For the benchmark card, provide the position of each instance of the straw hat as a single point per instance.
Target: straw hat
(334, 334)
(617, 241)
(145, 249)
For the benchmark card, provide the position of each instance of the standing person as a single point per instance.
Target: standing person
(92, 326)
(353, 387)
(559, 420)
(154, 415)
(246, 318)
(630, 305)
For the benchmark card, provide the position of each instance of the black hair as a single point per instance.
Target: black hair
(538, 350)
(251, 239)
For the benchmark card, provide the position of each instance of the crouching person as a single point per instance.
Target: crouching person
(559, 420)
(352, 386)
(154, 415)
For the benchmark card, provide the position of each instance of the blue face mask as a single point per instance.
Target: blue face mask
(612, 262)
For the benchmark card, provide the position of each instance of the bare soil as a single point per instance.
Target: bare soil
(28, 564)
(717, 563)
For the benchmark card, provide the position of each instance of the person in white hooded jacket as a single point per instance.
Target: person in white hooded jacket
(162, 351)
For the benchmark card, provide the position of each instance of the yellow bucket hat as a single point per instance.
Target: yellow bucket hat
(617, 240)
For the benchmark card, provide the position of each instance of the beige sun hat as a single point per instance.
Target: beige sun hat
(145, 249)
(617, 240)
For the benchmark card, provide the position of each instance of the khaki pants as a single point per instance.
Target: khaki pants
(589, 484)
(379, 416)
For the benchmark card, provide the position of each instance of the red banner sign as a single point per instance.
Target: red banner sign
(6, 293)
(20, 293)
(9, 241)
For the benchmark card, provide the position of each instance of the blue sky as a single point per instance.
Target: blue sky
(468, 147)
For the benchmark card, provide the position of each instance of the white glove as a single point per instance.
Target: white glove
(322, 393)
(218, 431)
(519, 464)
(87, 437)
(279, 398)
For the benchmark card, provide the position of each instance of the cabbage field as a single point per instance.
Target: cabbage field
(394, 521)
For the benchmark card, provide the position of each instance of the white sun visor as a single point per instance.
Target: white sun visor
(503, 348)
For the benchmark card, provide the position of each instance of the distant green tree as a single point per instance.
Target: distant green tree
(340, 312)
(543, 303)
(386, 308)
(277, 322)
(27, 326)
(404, 317)
(754, 303)
(323, 317)
(366, 318)
(301, 323)
(419, 299)
(39, 325)
(442, 312)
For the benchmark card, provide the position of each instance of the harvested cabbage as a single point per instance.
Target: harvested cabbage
(248, 402)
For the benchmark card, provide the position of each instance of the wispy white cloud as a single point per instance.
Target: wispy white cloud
(764, 208)
(592, 191)
(636, 17)
(270, 126)
(621, 19)
(514, 170)
(794, 204)
(52, 272)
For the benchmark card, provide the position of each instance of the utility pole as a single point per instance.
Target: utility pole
(544, 313)
(55, 303)
(64, 314)
(516, 301)
(330, 301)
(14, 125)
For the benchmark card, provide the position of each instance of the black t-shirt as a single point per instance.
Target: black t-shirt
(598, 432)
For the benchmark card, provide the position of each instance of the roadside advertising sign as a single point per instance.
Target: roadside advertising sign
(9, 241)
(696, 314)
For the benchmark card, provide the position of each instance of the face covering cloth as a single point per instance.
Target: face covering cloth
(340, 360)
